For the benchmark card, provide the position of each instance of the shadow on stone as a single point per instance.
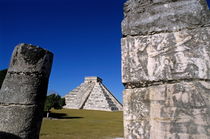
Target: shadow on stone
(4, 135)
(62, 116)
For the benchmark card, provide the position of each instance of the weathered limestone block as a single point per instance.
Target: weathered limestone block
(23, 92)
(153, 16)
(166, 56)
(22, 119)
(169, 111)
(166, 69)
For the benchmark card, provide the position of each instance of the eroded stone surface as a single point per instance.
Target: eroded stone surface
(25, 120)
(176, 111)
(166, 56)
(166, 69)
(23, 92)
(31, 59)
(152, 16)
(23, 88)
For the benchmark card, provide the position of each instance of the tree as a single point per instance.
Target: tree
(53, 101)
(2, 76)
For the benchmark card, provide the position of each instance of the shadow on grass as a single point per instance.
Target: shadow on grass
(61, 116)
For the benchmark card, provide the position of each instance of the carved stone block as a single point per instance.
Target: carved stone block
(166, 56)
(169, 111)
(155, 16)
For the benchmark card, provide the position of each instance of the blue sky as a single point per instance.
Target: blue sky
(208, 1)
(84, 36)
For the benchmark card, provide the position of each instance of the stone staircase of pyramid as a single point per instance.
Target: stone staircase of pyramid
(76, 97)
(114, 106)
(92, 95)
(71, 98)
(97, 100)
(85, 92)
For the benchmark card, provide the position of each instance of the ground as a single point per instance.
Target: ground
(82, 124)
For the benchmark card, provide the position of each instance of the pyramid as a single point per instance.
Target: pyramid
(92, 95)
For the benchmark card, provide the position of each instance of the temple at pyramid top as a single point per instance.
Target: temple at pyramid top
(93, 79)
(92, 95)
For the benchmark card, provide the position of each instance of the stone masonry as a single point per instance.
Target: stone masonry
(23, 92)
(92, 95)
(166, 69)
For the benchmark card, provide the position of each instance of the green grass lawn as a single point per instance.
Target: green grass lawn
(82, 124)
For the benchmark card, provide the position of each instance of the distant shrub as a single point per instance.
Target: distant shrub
(53, 101)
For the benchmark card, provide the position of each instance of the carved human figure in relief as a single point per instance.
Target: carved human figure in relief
(167, 69)
(183, 62)
(202, 63)
(169, 56)
(155, 62)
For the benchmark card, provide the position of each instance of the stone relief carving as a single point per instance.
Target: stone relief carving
(166, 56)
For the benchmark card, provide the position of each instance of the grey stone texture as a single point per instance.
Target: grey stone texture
(166, 69)
(167, 56)
(144, 17)
(92, 95)
(168, 111)
(23, 92)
